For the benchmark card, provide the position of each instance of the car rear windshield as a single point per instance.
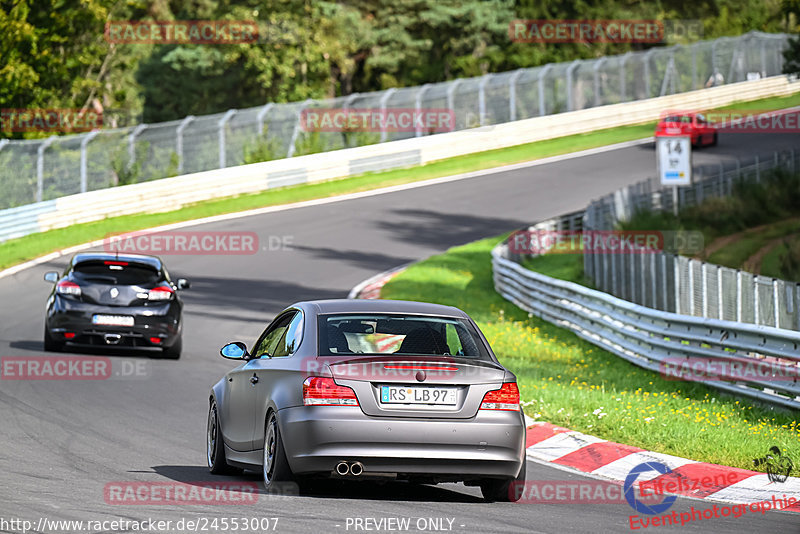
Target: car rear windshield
(116, 273)
(390, 334)
(678, 118)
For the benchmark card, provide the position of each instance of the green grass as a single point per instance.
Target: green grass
(567, 267)
(736, 253)
(568, 381)
(771, 264)
(28, 247)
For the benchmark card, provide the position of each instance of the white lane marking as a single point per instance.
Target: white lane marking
(758, 488)
(340, 198)
(561, 444)
(619, 469)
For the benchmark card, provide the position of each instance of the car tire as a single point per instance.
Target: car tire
(278, 476)
(50, 344)
(215, 448)
(713, 140)
(173, 352)
(503, 489)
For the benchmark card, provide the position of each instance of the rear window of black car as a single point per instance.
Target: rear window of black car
(389, 334)
(116, 273)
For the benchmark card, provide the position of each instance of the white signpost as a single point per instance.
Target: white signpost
(674, 162)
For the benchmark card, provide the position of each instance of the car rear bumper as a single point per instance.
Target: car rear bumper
(316, 438)
(161, 322)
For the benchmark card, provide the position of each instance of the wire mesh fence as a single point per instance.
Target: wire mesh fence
(680, 284)
(32, 171)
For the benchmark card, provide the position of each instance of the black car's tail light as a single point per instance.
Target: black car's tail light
(160, 293)
(505, 398)
(322, 391)
(65, 287)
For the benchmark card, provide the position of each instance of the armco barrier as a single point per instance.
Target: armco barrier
(173, 193)
(650, 338)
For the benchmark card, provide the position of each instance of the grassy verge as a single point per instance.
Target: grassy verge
(568, 381)
(31, 246)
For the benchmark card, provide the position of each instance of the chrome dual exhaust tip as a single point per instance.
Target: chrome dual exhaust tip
(342, 468)
(353, 468)
(112, 339)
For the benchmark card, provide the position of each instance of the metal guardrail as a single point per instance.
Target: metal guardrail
(39, 170)
(684, 285)
(648, 337)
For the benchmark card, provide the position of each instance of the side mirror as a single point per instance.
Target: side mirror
(235, 351)
(51, 276)
(183, 283)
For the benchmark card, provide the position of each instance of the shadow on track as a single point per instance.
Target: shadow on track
(324, 488)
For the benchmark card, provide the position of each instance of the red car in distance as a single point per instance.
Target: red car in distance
(694, 125)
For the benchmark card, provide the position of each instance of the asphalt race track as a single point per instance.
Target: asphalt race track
(63, 441)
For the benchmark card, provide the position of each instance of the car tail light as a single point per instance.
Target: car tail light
(65, 287)
(321, 391)
(69, 335)
(155, 340)
(160, 293)
(505, 398)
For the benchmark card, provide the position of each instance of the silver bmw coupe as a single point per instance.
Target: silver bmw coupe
(367, 389)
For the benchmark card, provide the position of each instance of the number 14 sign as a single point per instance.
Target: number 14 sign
(674, 160)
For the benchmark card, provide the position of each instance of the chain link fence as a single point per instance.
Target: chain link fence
(33, 171)
(679, 284)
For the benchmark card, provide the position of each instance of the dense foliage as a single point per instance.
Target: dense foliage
(53, 53)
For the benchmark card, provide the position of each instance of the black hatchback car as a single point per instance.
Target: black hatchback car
(115, 301)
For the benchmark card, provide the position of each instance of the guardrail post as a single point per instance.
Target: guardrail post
(512, 94)
(418, 108)
(482, 98)
(451, 94)
(596, 79)
(570, 89)
(664, 286)
(260, 117)
(756, 310)
(40, 166)
(132, 144)
(647, 72)
(720, 309)
(704, 286)
(296, 130)
(677, 274)
(221, 129)
(691, 288)
(776, 303)
(739, 299)
(694, 65)
(653, 289)
(382, 103)
(179, 140)
(84, 142)
(632, 275)
(623, 76)
(669, 76)
(540, 82)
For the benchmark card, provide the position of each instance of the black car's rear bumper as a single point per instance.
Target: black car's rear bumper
(66, 317)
